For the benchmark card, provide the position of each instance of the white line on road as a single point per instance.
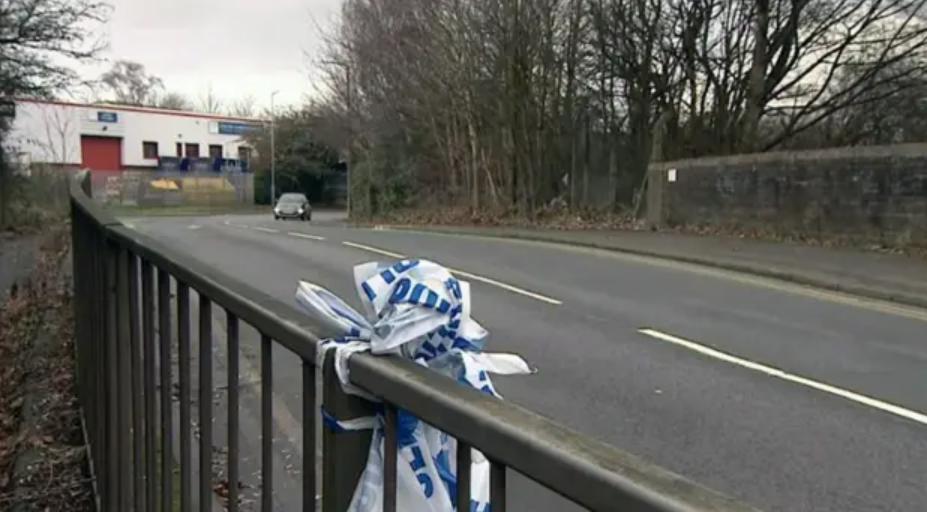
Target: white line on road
(775, 372)
(373, 250)
(461, 273)
(266, 230)
(513, 289)
(304, 235)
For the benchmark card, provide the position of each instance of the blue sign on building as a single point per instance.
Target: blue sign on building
(230, 128)
(107, 117)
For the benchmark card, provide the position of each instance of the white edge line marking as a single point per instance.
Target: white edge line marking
(266, 230)
(304, 235)
(462, 273)
(775, 372)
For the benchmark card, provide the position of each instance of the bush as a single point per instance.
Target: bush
(28, 202)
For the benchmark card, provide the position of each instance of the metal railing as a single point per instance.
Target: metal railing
(133, 319)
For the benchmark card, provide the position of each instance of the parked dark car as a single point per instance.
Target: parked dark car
(293, 205)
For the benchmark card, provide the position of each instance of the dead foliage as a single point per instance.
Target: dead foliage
(562, 218)
(43, 461)
(550, 217)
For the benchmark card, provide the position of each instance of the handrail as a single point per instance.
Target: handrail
(591, 473)
(271, 316)
(600, 476)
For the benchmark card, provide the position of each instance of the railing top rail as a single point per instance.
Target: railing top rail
(90, 207)
(598, 475)
(268, 315)
(276, 319)
(592, 473)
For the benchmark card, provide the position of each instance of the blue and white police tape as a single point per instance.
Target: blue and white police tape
(417, 310)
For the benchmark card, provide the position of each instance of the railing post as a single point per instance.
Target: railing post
(122, 382)
(344, 453)
(86, 184)
(112, 499)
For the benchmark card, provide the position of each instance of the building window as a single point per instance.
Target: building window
(150, 150)
(244, 153)
(215, 151)
(179, 149)
(192, 150)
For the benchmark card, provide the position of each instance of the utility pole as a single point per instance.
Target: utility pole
(273, 150)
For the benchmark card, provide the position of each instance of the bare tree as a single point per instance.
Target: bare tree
(59, 127)
(244, 107)
(516, 105)
(39, 40)
(209, 102)
(174, 101)
(130, 84)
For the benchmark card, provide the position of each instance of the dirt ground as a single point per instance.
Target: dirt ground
(43, 459)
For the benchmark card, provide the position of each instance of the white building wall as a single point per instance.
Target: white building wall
(46, 133)
(50, 132)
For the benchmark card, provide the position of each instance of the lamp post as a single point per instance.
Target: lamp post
(273, 151)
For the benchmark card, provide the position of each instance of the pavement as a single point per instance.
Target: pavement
(788, 397)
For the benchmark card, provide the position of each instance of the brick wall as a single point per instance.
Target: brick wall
(867, 195)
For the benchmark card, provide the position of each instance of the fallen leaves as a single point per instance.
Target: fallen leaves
(558, 216)
(554, 216)
(43, 460)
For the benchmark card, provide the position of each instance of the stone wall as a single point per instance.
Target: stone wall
(867, 195)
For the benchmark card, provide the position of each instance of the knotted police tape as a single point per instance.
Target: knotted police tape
(414, 309)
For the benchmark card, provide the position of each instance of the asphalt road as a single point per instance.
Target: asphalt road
(789, 399)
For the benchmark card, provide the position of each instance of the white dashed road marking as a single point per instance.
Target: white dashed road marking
(266, 230)
(306, 236)
(374, 250)
(781, 374)
(461, 273)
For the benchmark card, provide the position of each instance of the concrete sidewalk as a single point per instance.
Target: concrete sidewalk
(889, 277)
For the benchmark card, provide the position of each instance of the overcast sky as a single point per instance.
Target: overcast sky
(238, 47)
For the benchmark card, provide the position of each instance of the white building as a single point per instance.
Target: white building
(112, 138)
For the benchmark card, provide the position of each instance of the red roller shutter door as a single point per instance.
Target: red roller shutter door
(101, 153)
